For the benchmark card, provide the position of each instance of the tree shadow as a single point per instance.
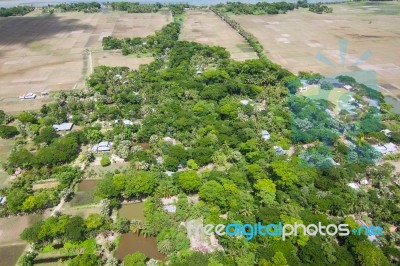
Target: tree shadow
(23, 30)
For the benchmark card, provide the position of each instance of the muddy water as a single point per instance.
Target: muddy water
(144, 145)
(9, 254)
(86, 185)
(132, 211)
(131, 243)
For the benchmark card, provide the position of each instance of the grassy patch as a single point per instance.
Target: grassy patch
(5, 148)
(83, 198)
(334, 96)
(140, 55)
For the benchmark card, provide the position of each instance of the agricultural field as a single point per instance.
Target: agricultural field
(11, 227)
(40, 53)
(203, 26)
(293, 40)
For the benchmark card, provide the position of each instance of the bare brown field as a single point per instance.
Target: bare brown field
(11, 227)
(115, 58)
(203, 26)
(49, 53)
(293, 40)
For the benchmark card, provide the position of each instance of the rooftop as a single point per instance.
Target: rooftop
(63, 127)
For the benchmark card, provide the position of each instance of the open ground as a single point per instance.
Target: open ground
(293, 40)
(203, 26)
(55, 52)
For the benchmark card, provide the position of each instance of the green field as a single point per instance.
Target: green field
(335, 96)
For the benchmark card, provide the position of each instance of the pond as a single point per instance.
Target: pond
(132, 211)
(9, 254)
(131, 243)
(87, 185)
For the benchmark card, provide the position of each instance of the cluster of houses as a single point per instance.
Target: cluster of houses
(335, 83)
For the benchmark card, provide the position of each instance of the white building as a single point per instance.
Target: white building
(28, 96)
(102, 146)
(265, 135)
(3, 200)
(387, 132)
(169, 173)
(354, 185)
(279, 150)
(388, 148)
(63, 127)
(347, 87)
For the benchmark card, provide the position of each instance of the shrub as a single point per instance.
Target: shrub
(7, 132)
(105, 161)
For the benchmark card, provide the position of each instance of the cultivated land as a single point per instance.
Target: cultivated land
(203, 26)
(294, 39)
(51, 53)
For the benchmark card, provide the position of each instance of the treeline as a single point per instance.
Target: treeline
(15, 11)
(136, 7)
(318, 8)
(239, 8)
(254, 43)
(150, 44)
(176, 9)
(92, 7)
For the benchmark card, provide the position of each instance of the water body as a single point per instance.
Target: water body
(131, 243)
(132, 211)
(36, 3)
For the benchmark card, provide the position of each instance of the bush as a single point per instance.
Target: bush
(7, 132)
(105, 161)
(325, 85)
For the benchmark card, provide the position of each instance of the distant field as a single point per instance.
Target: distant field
(47, 53)
(203, 26)
(294, 39)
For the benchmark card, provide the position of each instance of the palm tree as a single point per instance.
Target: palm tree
(165, 246)
(136, 226)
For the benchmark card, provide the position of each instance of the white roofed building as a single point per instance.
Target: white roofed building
(102, 147)
(388, 148)
(265, 135)
(63, 127)
(28, 96)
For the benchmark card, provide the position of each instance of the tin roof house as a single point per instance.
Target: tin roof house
(103, 146)
(265, 135)
(28, 96)
(279, 150)
(63, 127)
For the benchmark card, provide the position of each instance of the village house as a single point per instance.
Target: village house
(28, 96)
(348, 87)
(63, 127)
(265, 135)
(3, 200)
(387, 132)
(388, 148)
(103, 146)
(279, 150)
